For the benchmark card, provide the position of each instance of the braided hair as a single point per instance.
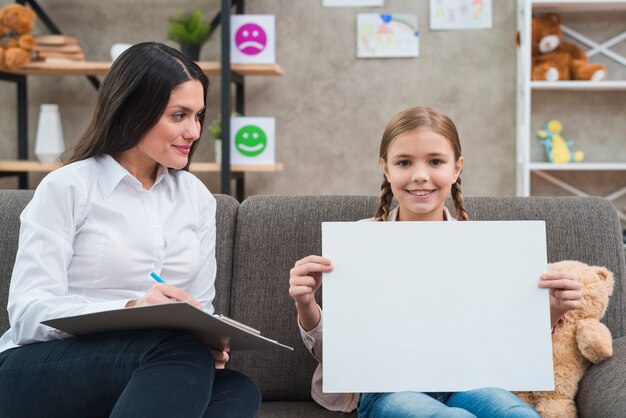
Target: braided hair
(384, 201)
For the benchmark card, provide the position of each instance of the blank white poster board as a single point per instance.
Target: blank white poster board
(435, 307)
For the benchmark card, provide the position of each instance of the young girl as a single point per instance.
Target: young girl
(421, 158)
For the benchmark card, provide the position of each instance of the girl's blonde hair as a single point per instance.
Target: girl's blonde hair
(408, 120)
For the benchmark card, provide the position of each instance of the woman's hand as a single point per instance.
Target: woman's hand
(565, 293)
(163, 293)
(220, 358)
(304, 279)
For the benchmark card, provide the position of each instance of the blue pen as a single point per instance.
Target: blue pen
(160, 280)
(157, 278)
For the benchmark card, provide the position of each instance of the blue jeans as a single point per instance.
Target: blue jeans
(125, 374)
(487, 403)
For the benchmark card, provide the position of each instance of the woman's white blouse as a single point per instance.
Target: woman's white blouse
(91, 236)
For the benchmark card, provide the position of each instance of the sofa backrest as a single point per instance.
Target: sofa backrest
(12, 202)
(275, 231)
(272, 233)
(259, 241)
(226, 218)
(586, 229)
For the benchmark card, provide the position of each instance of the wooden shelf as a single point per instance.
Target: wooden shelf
(577, 5)
(578, 166)
(579, 85)
(235, 168)
(200, 167)
(101, 68)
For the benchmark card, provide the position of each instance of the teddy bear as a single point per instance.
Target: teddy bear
(577, 342)
(553, 59)
(17, 44)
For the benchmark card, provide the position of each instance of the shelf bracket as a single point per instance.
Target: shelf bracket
(577, 192)
(597, 48)
(54, 29)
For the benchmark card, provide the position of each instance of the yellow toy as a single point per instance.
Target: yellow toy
(557, 148)
(580, 341)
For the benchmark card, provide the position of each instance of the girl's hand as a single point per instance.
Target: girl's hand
(163, 293)
(565, 293)
(220, 358)
(304, 279)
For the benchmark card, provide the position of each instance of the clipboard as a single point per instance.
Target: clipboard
(216, 331)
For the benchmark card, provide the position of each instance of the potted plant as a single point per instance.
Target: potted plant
(216, 133)
(190, 30)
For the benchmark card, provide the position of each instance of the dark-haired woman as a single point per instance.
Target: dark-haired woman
(123, 207)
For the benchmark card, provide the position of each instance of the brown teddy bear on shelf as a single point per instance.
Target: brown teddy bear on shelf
(579, 341)
(553, 59)
(16, 42)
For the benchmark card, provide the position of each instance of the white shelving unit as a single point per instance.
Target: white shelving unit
(527, 169)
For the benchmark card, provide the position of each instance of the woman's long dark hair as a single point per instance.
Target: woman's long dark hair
(133, 96)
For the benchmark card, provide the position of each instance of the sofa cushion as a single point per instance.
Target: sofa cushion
(12, 203)
(304, 409)
(586, 229)
(601, 390)
(272, 233)
(226, 217)
(275, 231)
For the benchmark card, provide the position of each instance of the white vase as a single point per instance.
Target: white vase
(218, 150)
(49, 142)
(117, 49)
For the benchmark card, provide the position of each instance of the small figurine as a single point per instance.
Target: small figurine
(557, 148)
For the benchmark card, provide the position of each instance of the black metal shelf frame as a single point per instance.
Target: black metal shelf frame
(227, 79)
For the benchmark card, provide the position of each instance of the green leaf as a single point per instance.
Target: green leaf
(189, 28)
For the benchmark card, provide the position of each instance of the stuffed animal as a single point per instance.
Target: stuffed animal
(579, 341)
(16, 42)
(557, 148)
(553, 59)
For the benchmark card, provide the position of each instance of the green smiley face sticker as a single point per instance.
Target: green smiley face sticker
(250, 140)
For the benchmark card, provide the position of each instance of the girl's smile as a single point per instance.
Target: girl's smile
(421, 194)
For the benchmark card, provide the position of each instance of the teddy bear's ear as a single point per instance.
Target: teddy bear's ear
(30, 13)
(555, 18)
(606, 276)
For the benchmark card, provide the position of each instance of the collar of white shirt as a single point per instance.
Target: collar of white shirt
(111, 173)
(393, 215)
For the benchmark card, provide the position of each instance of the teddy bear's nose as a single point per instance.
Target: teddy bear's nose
(548, 43)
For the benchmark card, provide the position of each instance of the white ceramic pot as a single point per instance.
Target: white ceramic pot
(49, 142)
(218, 150)
(117, 49)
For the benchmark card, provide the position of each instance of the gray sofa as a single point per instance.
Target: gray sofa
(259, 240)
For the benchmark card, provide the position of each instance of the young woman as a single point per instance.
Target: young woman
(422, 162)
(124, 207)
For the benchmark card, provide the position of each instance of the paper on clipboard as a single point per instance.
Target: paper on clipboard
(217, 332)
